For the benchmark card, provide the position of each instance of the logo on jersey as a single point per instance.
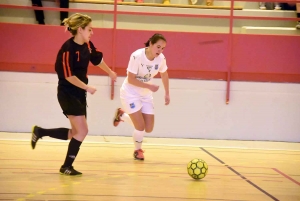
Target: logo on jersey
(156, 66)
(149, 68)
(132, 105)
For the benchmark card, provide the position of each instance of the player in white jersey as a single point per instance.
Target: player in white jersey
(137, 88)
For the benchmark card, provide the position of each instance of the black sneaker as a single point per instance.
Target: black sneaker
(35, 136)
(69, 171)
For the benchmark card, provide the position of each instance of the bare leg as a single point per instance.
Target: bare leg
(79, 131)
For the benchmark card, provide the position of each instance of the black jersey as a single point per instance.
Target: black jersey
(73, 60)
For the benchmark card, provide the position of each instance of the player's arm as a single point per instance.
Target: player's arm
(132, 71)
(77, 82)
(105, 68)
(165, 80)
(97, 60)
(132, 80)
(67, 68)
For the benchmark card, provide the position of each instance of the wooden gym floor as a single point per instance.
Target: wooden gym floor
(238, 170)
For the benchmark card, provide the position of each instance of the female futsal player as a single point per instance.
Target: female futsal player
(137, 88)
(71, 67)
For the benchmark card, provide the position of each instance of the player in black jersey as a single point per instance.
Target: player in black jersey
(71, 67)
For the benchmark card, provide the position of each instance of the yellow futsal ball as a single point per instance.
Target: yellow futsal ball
(197, 168)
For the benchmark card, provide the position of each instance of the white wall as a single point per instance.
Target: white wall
(257, 111)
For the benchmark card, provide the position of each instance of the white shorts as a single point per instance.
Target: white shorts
(132, 105)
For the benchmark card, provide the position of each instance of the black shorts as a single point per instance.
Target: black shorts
(72, 104)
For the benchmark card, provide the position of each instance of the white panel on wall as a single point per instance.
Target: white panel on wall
(257, 111)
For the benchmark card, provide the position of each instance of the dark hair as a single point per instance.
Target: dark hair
(156, 37)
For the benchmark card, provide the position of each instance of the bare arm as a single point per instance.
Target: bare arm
(78, 83)
(165, 80)
(132, 80)
(105, 68)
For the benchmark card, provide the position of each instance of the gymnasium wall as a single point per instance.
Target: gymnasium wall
(264, 91)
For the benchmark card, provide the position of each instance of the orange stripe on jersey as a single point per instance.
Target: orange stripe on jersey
(64, 65)
(68, 64)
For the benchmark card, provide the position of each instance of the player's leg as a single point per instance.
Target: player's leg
(69, 106)
(58, 133)
(149, 122)
(138, 134)
(298, 15)
(121, 116)
(39, 14)
(64, 14)
(146, 119)
(81, 129)
(148, 113)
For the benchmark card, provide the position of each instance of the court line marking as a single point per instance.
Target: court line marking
(286, 176)
(155, 144)
(237, 173)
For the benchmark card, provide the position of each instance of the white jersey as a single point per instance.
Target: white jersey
(144, 71)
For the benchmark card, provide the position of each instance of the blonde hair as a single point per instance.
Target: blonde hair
(75, 21)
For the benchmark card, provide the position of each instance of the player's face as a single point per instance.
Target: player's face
(157, 47)
(87, 32)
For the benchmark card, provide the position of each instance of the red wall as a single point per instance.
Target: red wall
(33, 48)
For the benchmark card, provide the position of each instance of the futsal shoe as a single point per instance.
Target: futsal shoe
(298, 25)
(35, 136)
(117, 119)
(166, 2)
(262, 6)
(138, 154)
(277, 6)
(69, 171)
(193, 2)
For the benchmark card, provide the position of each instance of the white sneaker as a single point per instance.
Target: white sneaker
(298, 25)
(277, 6)
(193, 2)
(262, 6)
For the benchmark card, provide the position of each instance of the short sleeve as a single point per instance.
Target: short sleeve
(133, 65)
(96, 55)
(163, 67)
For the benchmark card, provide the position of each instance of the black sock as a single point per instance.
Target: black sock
(72, 152)
(298, 15)
(58, 133)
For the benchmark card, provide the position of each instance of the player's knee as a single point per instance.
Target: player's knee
(71, 134)
(140, 128)
(83, 131)
(149, 130)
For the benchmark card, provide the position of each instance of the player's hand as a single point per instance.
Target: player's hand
(167, 99)
(153, 87)
(113, 75)
(91, 89)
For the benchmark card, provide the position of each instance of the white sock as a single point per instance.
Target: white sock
(138, 138)
(126, 118)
